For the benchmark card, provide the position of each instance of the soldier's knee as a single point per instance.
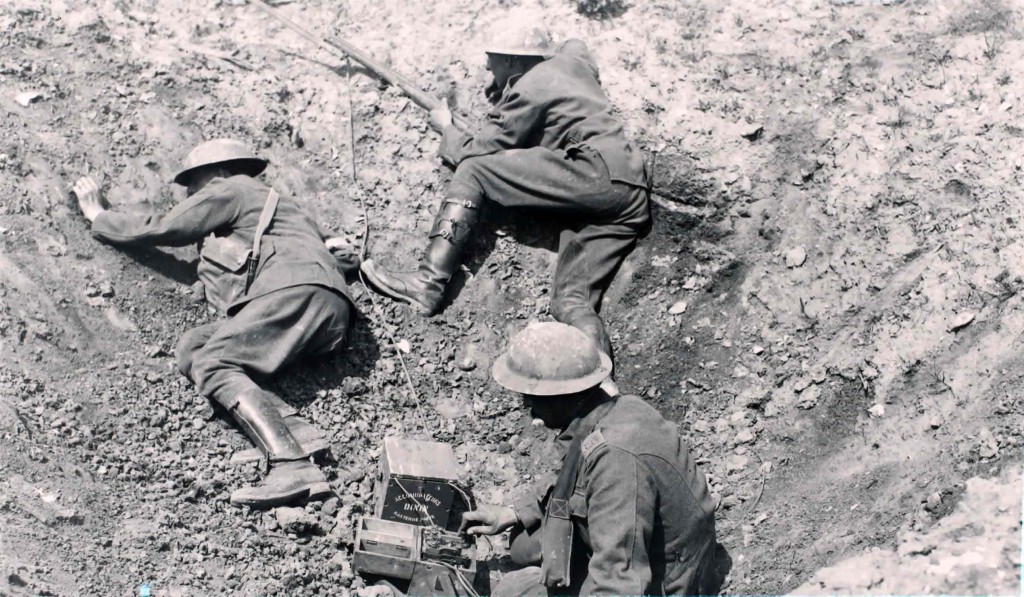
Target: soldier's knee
(189, 343)
(567, 309)
(466, 181)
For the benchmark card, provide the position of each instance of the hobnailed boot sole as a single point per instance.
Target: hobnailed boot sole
(312, 488)
(368, 268)
(312, 493)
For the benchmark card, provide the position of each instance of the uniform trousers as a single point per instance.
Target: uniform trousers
(266, 334)
(602, 219)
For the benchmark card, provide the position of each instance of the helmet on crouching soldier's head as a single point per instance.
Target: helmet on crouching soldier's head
(522, 41)
(226, 152)
(551, 359)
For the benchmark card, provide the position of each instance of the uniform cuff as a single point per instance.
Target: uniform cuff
(527, 511)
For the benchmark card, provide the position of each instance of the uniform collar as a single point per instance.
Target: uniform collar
(587, 414)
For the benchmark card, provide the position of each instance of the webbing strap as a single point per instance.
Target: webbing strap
(266, 216)
(557, 527)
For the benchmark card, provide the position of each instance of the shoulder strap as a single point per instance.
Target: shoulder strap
(557, 530)
(269, 209)
(266, 216)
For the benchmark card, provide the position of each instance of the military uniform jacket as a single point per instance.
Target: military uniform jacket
(640, 506)
(557, 104)
(292, 249)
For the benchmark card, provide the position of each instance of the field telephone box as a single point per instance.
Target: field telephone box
(418, 484)
(412, 539)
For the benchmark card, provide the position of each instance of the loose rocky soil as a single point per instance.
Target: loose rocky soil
(829, 304)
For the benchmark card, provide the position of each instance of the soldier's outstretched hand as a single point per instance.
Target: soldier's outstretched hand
(346, 251)
(90, 199)
(441, 117)
(488, 520)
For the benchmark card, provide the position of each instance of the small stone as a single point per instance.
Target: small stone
(294, 520)
(751, 131)
(935, 422)
(467, 364)
(28, 98)
(809, 398)
(677, 308)
(757, 349)
(752, 397)
(740, 419)
(988, 447)
(353, 386)
(739, 372)
(801, 384)
(736, 463)
(106, 289)
(796, 257)
(877, 410)
(961, 321)
(330, 507)
(354, 475)
(933, 502)
(404, 346)
(745, 437)
(730, 501)
(339, 561)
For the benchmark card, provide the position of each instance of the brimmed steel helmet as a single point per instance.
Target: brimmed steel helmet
(220, 151)
(522, 41)
(549, 359)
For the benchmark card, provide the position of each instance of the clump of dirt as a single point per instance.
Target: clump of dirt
(828, 304)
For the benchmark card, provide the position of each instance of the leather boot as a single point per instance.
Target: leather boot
(287, 482)
(312, 439)
(424, 287)
(291, 478)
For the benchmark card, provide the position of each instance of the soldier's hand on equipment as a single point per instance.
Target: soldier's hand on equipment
(441, 117)
(90, 200)
(488, 520)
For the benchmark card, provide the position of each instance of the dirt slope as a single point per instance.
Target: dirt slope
(830, 309)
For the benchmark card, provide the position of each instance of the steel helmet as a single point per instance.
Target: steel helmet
(549, 359)
(522, 41)
(220, 151)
